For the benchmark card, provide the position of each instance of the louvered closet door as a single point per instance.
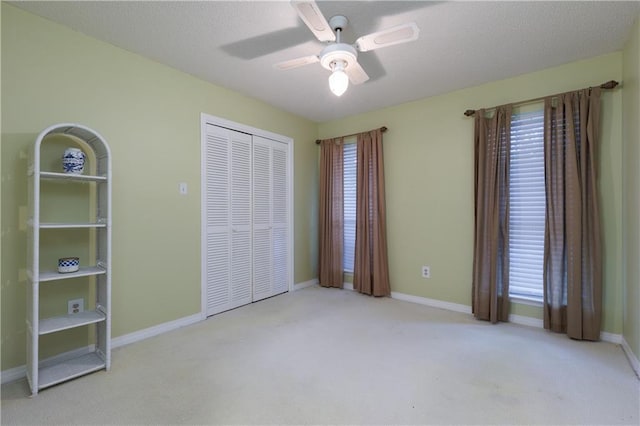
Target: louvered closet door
(228, 219)
(270, 218)
(281, 252)
(240, 219)
(262, 257)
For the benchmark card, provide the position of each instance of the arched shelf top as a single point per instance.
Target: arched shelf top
(93, 144)
(89, 136)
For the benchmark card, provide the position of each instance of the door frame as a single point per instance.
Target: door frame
(206, 119)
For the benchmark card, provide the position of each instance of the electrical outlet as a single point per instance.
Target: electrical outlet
(426, 272)
(75, 306)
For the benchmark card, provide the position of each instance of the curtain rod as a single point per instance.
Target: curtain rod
(608, 85)
(382, 129)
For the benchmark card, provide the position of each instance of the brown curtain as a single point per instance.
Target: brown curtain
(492, 139)
(371, 268)
(572, 260)
(330, 227)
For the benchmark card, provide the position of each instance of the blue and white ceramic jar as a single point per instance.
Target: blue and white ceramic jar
(73, 161)
(68, 264)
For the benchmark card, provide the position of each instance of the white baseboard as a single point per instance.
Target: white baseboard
(434, 303)
(456, 307)
(611, 337)
(305, 284)
(528, 321)
(633, 359)
(617, 339)
(516, 319)
(465, 309)
(538, 323)
(13, 374)
(136, 336)
(17, 373)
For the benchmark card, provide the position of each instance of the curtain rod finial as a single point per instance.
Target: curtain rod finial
(609, 84)
(469, 112)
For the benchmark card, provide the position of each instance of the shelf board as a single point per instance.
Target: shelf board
(82, 272)
(69, 369)
(50, 225)
(51, 325)
(71, 176)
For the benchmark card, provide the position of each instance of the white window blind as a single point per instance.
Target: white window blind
(526, 205)
(349, 194)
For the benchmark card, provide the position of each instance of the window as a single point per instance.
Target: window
(526, 206)
(349, 194)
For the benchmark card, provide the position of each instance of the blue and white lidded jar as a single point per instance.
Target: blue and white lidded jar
(73, 161)
(68, 264)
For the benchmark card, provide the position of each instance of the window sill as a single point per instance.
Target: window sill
(524, 300)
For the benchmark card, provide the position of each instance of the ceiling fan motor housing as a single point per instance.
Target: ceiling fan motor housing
(338, 52)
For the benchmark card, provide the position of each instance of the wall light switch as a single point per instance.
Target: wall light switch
(182, 187)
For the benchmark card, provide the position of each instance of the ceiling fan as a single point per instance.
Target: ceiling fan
(338, 57)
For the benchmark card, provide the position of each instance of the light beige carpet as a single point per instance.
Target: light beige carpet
(330, 356)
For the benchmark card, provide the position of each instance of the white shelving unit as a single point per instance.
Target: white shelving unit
(96, 270)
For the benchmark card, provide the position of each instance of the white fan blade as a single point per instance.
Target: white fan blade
(356, 73)
(314, 19)
(295, 63)
(394, 35)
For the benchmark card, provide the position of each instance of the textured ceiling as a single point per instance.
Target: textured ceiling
(235, 44)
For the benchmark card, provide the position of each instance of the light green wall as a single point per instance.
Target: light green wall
(429, 180)
(150, 116)
(1, 203)
(631, 199)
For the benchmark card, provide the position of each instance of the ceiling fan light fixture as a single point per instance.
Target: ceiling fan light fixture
(338, 81)
(342, 58)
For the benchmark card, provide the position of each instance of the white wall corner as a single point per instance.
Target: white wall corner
(305, 284)
(633, 359)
